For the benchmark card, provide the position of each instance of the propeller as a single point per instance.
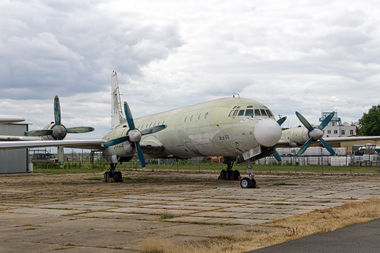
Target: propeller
(315, 133)
(276, 154)
(56, 130)
(134, 135)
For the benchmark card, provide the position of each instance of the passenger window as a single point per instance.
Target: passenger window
(191, 118)
(249, 112)
(199, 117)
(263, 113)
(158, 123)
(241, 113)
(185, 119)
(257, 112)
(269, 113)
(206, 115)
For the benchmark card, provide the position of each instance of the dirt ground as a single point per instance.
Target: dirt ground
(161, 211)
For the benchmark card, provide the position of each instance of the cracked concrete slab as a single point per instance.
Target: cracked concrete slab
(43, 213)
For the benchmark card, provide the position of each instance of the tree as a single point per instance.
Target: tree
(370, 122)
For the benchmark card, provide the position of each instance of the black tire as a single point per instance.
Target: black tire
(245, 183)
(253, 183)
(106, 176)
(228, 174)
(118, 177)
(222, 175)
(236, 174)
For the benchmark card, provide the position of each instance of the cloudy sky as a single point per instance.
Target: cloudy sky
(304, 56)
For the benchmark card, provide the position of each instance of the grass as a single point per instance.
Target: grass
(282, 183)
(167, 215)
(86, 167)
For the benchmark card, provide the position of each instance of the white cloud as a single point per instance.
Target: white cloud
(304, 56)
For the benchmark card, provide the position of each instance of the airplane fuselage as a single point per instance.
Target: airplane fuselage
(222, 127)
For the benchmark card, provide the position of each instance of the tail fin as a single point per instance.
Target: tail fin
(117, 116)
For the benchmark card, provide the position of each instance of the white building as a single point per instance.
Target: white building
(336, 128)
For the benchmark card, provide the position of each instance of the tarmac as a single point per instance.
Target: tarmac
(363, 237)
(80, 213)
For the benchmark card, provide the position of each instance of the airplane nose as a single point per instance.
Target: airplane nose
(267, 132)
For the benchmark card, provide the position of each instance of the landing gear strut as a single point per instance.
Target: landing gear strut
(112, 175)
(249, 182)
(229, 174)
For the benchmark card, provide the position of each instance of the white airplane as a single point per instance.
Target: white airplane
(4, 119)
(231, 127)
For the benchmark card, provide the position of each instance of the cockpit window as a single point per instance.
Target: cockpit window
(269, 113)
(257, 112)
(263, 112)
(241, 113)
(249, 112)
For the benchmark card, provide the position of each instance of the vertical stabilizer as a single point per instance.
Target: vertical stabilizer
(117, 116)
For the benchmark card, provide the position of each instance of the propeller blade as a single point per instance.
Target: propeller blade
(57, 111)
(38, 133)
(128, 115)
(277, 156)
(282, 120)
(304, 122)
(77, 130)
(61, 155)
(140, 155)
(326, 121)
(304, 147)
(115, 141)
(327, 146)
(152, 130)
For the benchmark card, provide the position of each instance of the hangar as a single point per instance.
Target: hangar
(13, 161)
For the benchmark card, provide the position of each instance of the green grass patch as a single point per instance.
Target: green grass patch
(282, 183)
(165, 216)
(86, 167)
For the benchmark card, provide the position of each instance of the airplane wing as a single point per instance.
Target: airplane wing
(19, 138)
(283, 143)
(152, 147)
(95, 144)
(10, 119)
(352, 138)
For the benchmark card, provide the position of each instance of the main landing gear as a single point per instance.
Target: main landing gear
(229, 174)
(112, 175)
(249, 182)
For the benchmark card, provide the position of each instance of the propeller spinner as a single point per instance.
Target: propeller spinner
(315, 133)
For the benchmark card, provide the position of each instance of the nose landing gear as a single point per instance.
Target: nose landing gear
(249, 182)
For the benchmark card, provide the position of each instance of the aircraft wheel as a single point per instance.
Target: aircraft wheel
(106, 176)
(236, 174)
(222, 174)
(118, 177)
(246, 183)
(228, 175)
(253, 183)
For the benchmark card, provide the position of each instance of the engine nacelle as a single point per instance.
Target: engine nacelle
(296, 136)
(128, 147)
